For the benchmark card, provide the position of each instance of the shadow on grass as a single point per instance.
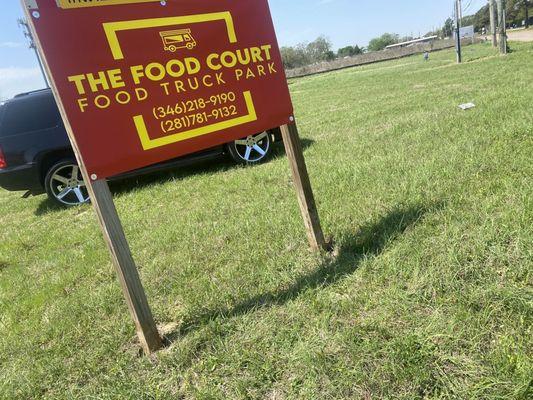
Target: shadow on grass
(370, 241)
(216, 165)
(47, 206)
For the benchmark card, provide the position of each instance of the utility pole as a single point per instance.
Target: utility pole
(27, 33)
(458, 33)
(493, 24)
(502, 30)
(526, 4)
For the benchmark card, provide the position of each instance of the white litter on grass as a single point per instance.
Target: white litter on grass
(467, 106)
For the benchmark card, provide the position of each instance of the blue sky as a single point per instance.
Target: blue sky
(345, 22)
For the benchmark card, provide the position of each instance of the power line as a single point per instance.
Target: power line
(467, 7)
(27, 34)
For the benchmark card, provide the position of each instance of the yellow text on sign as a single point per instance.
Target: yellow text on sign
(111, 29)
(148, 143)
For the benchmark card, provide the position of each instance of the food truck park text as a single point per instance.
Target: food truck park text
(248, 63)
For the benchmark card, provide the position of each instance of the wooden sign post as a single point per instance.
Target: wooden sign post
(140, 82)
(306, 199)
(125, 266)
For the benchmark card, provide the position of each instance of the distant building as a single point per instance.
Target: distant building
(411, 42)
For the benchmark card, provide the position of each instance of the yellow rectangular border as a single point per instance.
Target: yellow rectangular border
(65, 4)
(149, 144)
(111, 28)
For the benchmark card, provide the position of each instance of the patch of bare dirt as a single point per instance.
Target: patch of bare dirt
(521, 35)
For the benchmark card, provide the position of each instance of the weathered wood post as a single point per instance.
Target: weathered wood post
(125, 266)
(304, 191)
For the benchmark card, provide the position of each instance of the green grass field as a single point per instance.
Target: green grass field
(428, 294)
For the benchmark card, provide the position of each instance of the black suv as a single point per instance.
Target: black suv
(36, 155)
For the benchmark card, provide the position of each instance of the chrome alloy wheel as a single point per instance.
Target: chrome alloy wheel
(67, 185)
(254, 148)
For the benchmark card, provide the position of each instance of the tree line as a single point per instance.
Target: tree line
(321, 49)
(316, 51)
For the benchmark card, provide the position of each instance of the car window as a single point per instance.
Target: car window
(29, 114)
(2, 108)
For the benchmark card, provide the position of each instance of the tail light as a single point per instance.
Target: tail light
(3, 163)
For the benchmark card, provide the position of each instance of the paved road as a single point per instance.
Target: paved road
(521, 35)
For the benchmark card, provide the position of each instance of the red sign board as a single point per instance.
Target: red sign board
(144, 81)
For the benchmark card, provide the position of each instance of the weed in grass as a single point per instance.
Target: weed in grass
(3, 265)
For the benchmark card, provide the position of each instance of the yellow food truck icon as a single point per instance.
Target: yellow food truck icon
(178, 39)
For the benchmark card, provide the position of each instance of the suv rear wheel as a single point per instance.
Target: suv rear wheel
(64, 184)
(252, 150)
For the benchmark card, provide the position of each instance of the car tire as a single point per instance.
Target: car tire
(254, 149)
(64, 184)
